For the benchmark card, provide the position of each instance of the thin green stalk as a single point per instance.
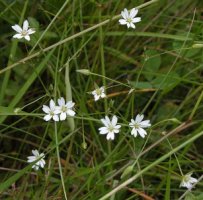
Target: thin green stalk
(69, 94)
(59, 161)
(120, 83)
(196, 106)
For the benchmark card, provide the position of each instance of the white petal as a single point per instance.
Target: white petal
(145, 124)
(70, 104)
(52, 104)
(35, 152)
(122, 21)
(142, 132)
(96, 97)
(133, 13)
(30, 31)
(132, 25)
(62, 116)
(134, 132)
(117, 127)
(116, 130)
(128, 25)
(139, 118)
(25, 25)
(27, 37)
(61, 101)
(137, 19)
(41, 163)
(123, 14)
(193, 180)
(104, 122)
(56, 110)
(17, 28)
(31, 158)
(56, 118)
(47, 117)
(103, 130)
(103, 95)
(18, 36)
(126, 13)
(114, 120)
(46, 109)
(70, 112)
(110, 136)
(107, 120)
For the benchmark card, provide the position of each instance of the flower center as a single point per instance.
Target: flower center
(98, 91)
(129, 20)
(111, 128)
(24, 33)
(186, 179)
(136, 126)
(63, 109)
(51, 113)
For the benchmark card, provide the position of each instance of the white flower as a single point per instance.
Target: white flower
(110, 127)
(65, 109)
(98, 93)
(23, 32)
(37, 156)
(138, 126)
(129, 18)
(51, 112)
(187, 181)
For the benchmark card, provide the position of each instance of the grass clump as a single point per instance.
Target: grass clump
(114, 111)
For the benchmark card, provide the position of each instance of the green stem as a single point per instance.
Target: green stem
(59, 162)
(196, 106)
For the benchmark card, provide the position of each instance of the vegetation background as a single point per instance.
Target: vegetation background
(161, 60)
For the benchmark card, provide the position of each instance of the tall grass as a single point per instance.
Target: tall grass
(155, 69)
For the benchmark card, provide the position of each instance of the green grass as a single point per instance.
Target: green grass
(160, 62)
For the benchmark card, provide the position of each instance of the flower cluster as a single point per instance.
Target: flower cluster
(64, 109)
(58, 112)
(111, 127)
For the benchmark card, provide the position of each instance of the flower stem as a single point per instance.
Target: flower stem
(59, 162)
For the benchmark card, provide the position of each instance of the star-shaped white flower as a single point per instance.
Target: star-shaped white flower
(110, 127)
(99, 93)
(37, 156)
(187, 181)
(138, 126)
(129, 18)
(66, 109)
(24, 32)
(51, 112)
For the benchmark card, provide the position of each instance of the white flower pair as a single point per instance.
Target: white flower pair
(60, 111)
(111, 127)
(129, 19)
